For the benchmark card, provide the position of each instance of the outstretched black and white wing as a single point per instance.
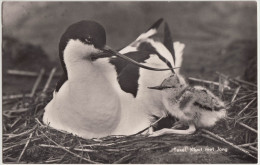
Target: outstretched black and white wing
(145, 50)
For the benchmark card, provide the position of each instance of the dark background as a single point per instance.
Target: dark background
(219, 36)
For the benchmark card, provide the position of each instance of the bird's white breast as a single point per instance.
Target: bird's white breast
(87, 106)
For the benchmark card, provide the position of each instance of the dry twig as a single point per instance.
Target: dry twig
(27, 73)
(76, 149)
(247, 144)
(37, 82)
(17, 110)
(235, 93)
(25, 148)
(229, 143)
(231, 80)
(16, 121)
(19, 144)
(246, 126)
(78, 156)
(227, 78)
(253, 148)
(211, 138)
(49, 80)
(21, 73)
(245, 82)
(52, 161)
(241, 98)
(148, 127)
(125, 158)
(16, 96)
(37, 120)
(246, 106)
(10, 136)
(207, 82)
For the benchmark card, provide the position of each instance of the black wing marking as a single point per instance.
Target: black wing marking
(127, 73)
(145, 46)
(138, 56)
(128, 79)
(61, 81)
(156, 24)
(205, 107)
(168, 43)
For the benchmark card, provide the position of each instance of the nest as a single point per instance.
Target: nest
(27, 140)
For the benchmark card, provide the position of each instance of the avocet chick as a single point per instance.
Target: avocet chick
(194, 106)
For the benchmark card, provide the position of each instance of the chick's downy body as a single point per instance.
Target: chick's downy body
(194, 106)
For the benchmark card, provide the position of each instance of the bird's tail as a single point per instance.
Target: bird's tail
(178, 49)
(167, 41)
(151, 31)
(175, 48)
(145, 35)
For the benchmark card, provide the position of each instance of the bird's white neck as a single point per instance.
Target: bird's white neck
(77, 60)
(80, 70)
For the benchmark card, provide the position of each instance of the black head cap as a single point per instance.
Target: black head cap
(88, 32)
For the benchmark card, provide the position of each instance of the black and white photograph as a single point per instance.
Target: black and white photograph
(129, 82)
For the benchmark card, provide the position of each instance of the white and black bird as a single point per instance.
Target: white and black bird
(196, 107)
(103, 92)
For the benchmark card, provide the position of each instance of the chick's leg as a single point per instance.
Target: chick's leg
(164, 131)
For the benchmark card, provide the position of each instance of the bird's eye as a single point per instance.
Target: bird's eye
(89, 40)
